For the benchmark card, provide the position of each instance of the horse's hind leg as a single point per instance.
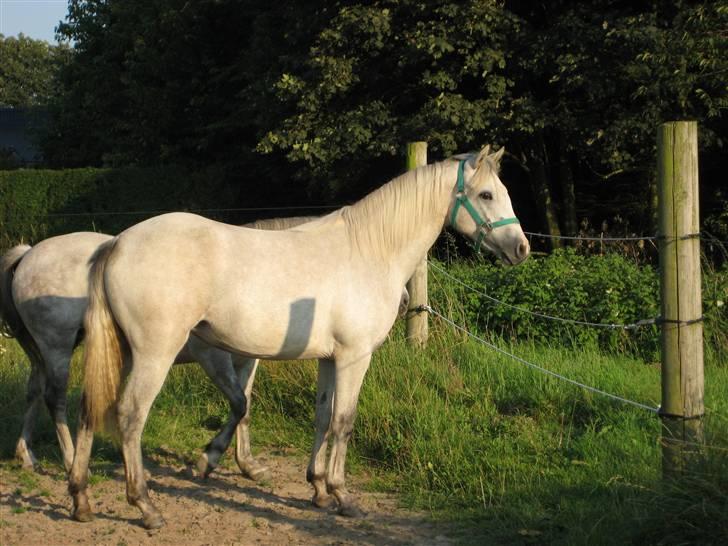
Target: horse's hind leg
(143, 384)
(218, 365)
(34, 394)
(78, 476)
(58, 362)
(316, 473)
(246, 368)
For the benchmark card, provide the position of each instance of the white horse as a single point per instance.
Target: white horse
(329, 289)
(43, 297)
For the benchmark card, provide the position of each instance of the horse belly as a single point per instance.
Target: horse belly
(293, 331)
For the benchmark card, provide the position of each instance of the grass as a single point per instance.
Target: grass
(511, 455)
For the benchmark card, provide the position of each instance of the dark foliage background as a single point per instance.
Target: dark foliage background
(312, 102)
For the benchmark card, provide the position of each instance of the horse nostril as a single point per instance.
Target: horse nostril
(522, 249)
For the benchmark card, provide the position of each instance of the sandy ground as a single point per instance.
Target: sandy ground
(225, 509)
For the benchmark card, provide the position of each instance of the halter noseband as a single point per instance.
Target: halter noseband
(484, 227)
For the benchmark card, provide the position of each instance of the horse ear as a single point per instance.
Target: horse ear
(497, 156)
(482, 155)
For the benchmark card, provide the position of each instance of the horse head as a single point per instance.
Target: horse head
(481, 208)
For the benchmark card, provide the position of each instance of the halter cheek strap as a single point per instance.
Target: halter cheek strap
(484, 226)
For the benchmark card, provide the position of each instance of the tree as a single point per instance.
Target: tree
(27, 71)
(314, 100)
(594, 79)
(378, 75)
(146, 84)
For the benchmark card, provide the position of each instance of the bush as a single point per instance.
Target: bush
(715, 310)
(601, 289)
(35, 204)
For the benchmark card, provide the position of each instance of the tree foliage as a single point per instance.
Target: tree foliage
(379, 75)
(593, 80)
(146, 84)
(316, 99)
(27, 71)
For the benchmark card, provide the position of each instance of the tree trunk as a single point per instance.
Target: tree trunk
(653, 200)
(568, 195)
(536, 163)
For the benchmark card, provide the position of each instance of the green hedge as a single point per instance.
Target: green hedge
(35, 204)
(602, 289)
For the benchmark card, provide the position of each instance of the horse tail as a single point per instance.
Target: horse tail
(11, 322)
(103, 359)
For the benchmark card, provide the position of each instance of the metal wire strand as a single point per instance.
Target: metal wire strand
(598, 239)
(539, 368)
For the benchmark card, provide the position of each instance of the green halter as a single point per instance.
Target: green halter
(484, 226)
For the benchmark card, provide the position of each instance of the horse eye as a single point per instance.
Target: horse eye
(486, 196)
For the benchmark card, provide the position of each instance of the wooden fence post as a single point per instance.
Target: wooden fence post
(417, 325)
(681, 309)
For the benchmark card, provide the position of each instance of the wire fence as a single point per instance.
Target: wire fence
(536, 366)
(495, 301)
(652, 409)
(592, 238)
(288, 208)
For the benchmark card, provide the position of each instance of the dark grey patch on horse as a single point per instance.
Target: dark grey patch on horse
(323, 398)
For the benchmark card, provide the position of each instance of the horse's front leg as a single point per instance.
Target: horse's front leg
(316, 473)
(349, 377)
(245, 369)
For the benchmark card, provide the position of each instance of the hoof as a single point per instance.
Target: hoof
(84, 516)
(29, 466)
(351, 511)
(26, 458)
(323, 501)
(204, 468)
(154, 521)
(259, 474)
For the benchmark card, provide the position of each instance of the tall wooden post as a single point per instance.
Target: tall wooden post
(417, 325)
(682, 328)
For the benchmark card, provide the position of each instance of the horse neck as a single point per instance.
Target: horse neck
(397, 224)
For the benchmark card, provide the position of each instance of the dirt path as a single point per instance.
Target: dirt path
(225, 509)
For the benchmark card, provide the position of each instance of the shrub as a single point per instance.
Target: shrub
(35, 204)
(601, 289)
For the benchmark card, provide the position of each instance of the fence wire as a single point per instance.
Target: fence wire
(592, 238)
(540, 368)
(333, 207)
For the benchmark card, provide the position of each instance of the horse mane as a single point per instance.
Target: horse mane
(380, 223)
(278, 224)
